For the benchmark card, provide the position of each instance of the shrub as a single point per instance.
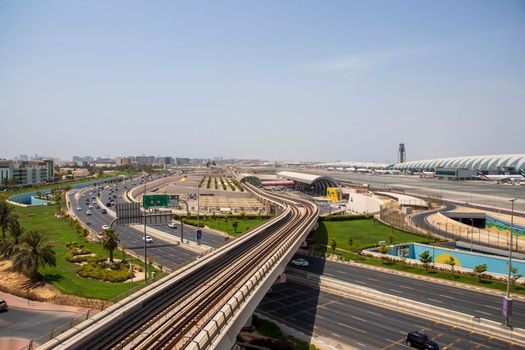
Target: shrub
(93, 271)
(345, 217)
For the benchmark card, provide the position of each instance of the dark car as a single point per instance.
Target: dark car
(104, 211)
(3, 305)
(420, 340)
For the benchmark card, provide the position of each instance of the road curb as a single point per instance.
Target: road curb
(420, 277)
(414, 308)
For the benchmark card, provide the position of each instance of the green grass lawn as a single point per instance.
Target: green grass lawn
(365, 233)
(63, 276)
(226, 225)
(456, 277)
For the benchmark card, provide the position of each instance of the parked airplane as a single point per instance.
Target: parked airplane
(507, 178)
(363, 170)
(427, 174)
(386, 172)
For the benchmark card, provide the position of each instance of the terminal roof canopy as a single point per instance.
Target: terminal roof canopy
(308, 179)
(488, 162)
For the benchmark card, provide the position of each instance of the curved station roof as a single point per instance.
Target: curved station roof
(489, 162)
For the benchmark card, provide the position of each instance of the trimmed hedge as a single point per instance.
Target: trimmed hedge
(95, 272)
(345, 217)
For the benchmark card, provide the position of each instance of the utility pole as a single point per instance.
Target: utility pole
(507, 302)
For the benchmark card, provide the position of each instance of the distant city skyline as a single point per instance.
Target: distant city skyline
(307, 81)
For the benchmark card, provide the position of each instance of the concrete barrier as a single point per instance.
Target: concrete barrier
(414, 308)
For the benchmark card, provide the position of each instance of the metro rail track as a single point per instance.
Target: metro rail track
(173, 317)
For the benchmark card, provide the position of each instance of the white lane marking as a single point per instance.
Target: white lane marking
(479, 344)
(336, 335)
(359, 319)
(446, 296)
(493, 307)
(361, 344)
(395, 290)
(321, 317)
(355, 329)
(407, 287)
(434, 300)
(371, 279)
(329, 274)
(483, 312)
(361, 282)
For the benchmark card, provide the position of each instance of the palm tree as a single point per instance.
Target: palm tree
(7, 216)
(8, 245)
(110, 242)
(32, 252)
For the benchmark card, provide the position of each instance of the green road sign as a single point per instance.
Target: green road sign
(174, 200)
(155, 200)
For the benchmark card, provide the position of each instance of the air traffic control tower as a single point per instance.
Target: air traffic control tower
(401, 155)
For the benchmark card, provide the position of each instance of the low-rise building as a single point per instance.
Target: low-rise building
(24, 173)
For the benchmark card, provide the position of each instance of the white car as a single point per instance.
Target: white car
(88, 212)
(105, 227)
(148, 239)
(172, 225)
(79, 208)
(90, 206)
(300, 262)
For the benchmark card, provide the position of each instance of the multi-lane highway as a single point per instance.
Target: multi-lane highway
(165, 253)
(345, 322)
(178, 309)
(209, 238)
(435, 293)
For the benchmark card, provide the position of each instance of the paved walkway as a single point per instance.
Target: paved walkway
(21, 303)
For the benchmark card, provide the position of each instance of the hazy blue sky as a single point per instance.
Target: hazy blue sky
(304, 80)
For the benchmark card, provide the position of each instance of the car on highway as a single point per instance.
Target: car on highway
(105, 227)
(104, 211)
(3, 305)
(148, 239)
(300, 262)
(79, 208)
(90, 206)
(88, 212)
(420, 340)
(172, 225)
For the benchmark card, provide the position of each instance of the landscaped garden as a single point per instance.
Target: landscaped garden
(354, 233)
(79, 267)
(232, 225)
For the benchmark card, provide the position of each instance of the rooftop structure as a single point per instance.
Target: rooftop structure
(503, 162)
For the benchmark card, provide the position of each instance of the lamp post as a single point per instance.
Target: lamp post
(507, 302)
(145, 243)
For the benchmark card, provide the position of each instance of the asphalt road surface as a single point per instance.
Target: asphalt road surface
(464, 300)
(360, 325)
(209, 237)
(482, 192)
(31, 324)
(165, 253)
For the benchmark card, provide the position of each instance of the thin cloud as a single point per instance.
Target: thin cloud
(360, 61)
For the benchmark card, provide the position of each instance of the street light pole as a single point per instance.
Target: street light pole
(145, 243)
(508, 311)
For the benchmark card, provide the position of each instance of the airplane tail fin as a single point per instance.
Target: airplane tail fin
(481, 175)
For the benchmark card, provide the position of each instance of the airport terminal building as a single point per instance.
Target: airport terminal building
(492, 164)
